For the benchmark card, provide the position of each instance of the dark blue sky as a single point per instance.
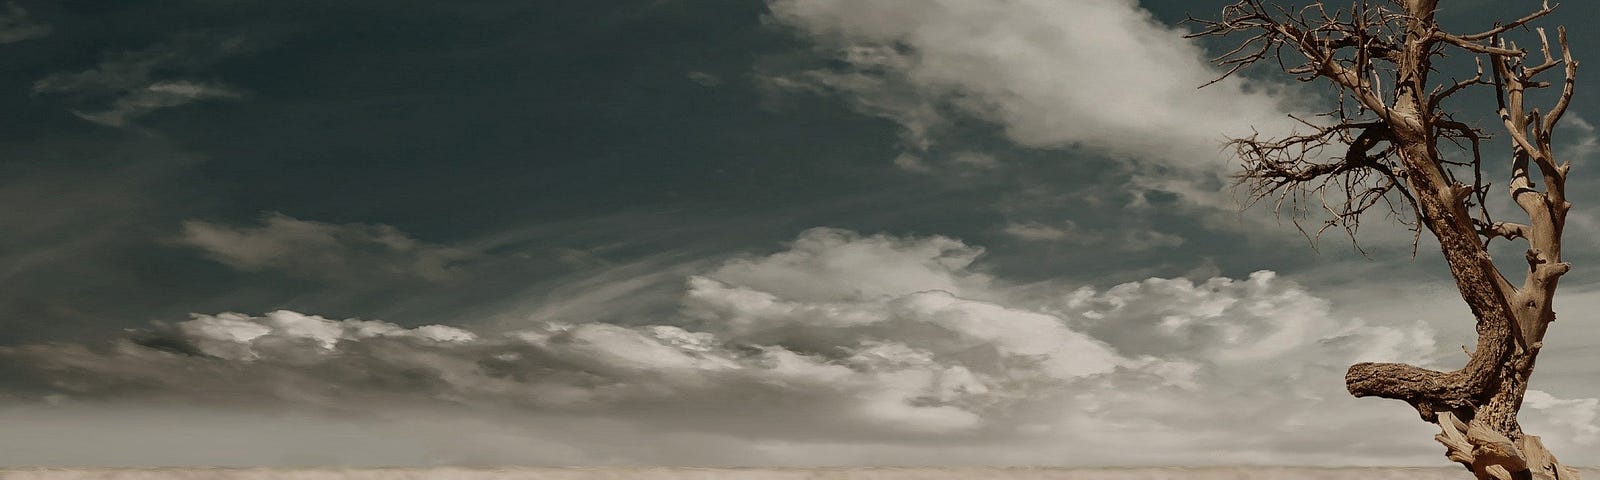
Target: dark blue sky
(580, 121)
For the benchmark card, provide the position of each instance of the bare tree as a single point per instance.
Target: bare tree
(1389, 143)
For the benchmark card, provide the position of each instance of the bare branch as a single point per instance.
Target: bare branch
(1314, 35)
(1567, 87)
(1476, 47)
(1345, 188)
(1506, 230)
(1442, 92)
(1499, 29)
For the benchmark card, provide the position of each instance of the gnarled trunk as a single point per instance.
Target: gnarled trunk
(1393, 138)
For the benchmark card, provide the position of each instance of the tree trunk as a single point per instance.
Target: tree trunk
(1476, 407)
(1393, 137)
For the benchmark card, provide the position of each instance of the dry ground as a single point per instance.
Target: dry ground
(1255, 473)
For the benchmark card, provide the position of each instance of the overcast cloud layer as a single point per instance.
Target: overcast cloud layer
(722, 232)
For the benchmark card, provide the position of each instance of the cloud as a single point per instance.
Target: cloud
(1583, 141)
(1036, 232)
(826, 263)
(128, 85)
(1100, 81)
(963, 165)
(1572, 420)
(705, 79)
(1131, 239)
(156, 96)
(1098, 74)
(1579, 143)
(322, 250)
(871, 389)
(898, 348)
(1229, 321)
(15, 26)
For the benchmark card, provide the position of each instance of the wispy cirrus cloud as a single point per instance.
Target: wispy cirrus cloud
(16, 26)
(127, 85)
(322, 250)
(1124, 238)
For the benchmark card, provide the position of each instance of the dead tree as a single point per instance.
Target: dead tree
(1390, 143)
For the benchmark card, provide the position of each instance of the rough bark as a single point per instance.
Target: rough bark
(1393, 142)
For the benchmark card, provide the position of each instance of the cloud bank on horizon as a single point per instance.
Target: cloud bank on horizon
(842, 339)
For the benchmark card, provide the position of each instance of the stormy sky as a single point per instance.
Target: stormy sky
(700, 232)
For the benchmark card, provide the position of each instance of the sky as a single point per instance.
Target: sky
(709, 232)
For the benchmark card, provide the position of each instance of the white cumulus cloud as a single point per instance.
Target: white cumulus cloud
(901, 347)
(1100, 74)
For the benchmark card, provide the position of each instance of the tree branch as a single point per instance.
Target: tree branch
(1499, 29)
